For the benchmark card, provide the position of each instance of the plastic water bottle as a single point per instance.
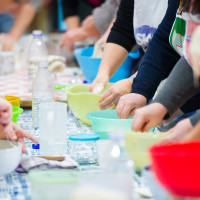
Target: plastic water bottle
(37, 52)
(42, 91)
(117, 162)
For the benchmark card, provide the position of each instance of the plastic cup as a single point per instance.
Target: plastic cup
(15, 101)
(52, 123)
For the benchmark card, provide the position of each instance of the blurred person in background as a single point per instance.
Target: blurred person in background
(15, 17)
(94, 26)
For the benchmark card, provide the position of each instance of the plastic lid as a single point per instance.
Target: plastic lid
(84, 137)
(52, 177)
(37, 33)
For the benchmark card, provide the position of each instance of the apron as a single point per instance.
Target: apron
(146, 18)
(182, 30)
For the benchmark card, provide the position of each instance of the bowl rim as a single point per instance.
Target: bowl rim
(88, 116)
(132, 55)
(68, 90)
(154, 149)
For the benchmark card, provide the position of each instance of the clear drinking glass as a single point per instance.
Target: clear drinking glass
(53, 127)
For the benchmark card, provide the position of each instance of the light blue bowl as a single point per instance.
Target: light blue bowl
(106, 121)
(90, 66)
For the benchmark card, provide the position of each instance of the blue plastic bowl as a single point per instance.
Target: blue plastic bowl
(90, 66)
(106, 121)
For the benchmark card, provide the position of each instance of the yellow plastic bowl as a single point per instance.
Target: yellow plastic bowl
(15, 101)
(138, 145)
(81, 101)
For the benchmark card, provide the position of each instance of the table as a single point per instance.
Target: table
(8, 82)
(16, 186)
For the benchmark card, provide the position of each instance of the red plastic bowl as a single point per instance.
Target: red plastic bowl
(177, 167)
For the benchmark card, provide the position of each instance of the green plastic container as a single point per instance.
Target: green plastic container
(53, 184)
(81, 101)
(105, 121)
(16, 111)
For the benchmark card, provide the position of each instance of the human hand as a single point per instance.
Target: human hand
(7, 42)
(72, 36)
(16, 133)
(89, 26)
(179, 132)
(114, 93)
(194, 134)
(148, 117)
(128, 103)
(5, 112)
(101, 79)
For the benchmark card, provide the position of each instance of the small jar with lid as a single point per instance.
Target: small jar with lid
(83, 148)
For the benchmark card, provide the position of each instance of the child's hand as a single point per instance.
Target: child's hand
(5, 112)
(16, 133)
(148, 117)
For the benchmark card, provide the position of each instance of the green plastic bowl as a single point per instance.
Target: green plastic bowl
(138, 144)
(105, 121)
(16, 111)
(81, 101)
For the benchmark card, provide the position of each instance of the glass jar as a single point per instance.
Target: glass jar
(83, 148)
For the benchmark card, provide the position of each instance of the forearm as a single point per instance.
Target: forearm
(178, 87)
(122, 30)
(72, 22)
(22, 21)
(113, 56)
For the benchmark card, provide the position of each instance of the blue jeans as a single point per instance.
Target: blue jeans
(6, 22)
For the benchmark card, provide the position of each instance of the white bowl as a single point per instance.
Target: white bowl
(9, 156)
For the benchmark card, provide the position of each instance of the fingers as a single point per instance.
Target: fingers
(21, 140)
(25, 134)
(119, 108)
(10, 132)
(126, 112)
(138, 123)
(107, 102)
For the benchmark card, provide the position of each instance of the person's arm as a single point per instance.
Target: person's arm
(119, 43)
(70, 13)
(103, 15)
(160, 57)
(178, 89)
(20, 25)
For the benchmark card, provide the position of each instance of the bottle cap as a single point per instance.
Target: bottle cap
(37, 33)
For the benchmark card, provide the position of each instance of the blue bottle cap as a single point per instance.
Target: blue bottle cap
(85, 82)
(35, 146)
(84, 137)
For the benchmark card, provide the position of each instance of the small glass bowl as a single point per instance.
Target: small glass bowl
(83, 148)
